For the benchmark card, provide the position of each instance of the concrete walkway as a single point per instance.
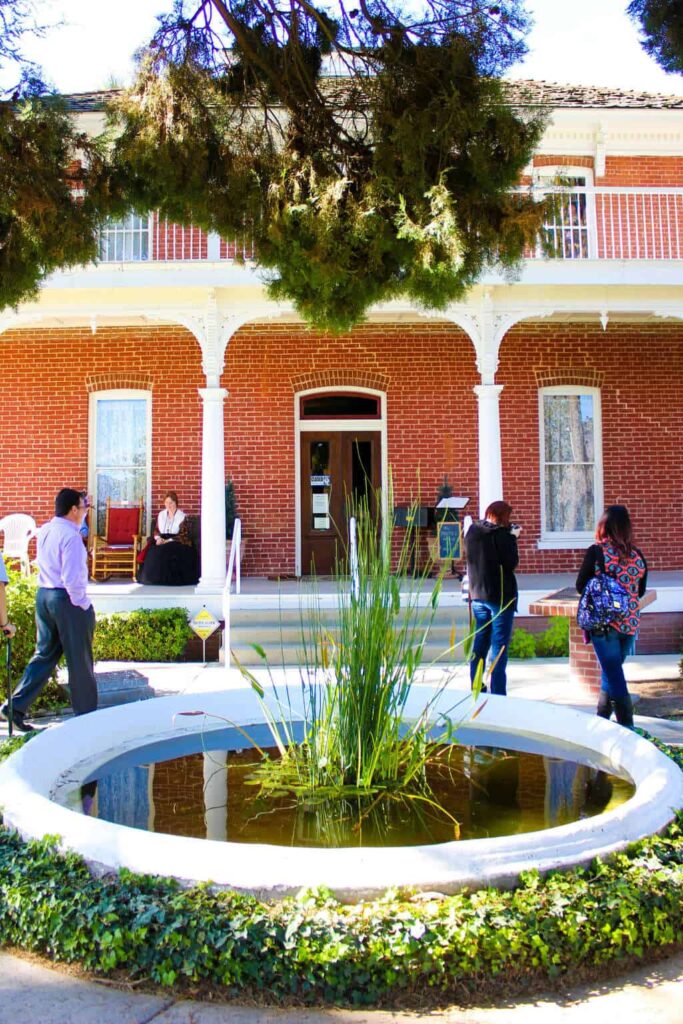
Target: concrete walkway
(33, 994)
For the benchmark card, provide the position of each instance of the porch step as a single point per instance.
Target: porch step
(280, 635)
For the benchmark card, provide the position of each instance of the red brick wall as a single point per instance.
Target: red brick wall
(642, 429)
(623, 171)
(44, 413)
(429, 374)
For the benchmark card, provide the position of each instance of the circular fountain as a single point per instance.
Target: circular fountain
(35, 783)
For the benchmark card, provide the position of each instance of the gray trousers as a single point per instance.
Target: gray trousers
(63, 628)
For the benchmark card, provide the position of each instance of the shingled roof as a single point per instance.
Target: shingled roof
(526, 92)
(552, 94)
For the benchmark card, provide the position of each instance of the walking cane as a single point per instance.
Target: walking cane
(9, 686)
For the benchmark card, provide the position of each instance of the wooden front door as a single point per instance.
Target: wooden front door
(336, 467)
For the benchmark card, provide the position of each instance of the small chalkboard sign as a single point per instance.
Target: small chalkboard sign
(450, 540)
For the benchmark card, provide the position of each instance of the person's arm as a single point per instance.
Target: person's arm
(587, 571)
(506, 546)
(75, 570)
(642, 585)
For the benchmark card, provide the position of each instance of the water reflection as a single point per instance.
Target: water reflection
(474, 792)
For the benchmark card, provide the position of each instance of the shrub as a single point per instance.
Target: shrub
(522, 644)
(553, 642)
(21, 605)
(315, 950)
(144, 635)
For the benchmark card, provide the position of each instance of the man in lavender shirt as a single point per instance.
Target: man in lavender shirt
(65, 616)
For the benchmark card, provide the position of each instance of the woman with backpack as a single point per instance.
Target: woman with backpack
(615, 555)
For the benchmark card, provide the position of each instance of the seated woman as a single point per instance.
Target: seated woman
(169, 558)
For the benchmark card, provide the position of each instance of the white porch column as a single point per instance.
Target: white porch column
(490, 457)
(213, 490)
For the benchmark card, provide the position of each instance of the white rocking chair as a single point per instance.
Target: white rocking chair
(18, 530)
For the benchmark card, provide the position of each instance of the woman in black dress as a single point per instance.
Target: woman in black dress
(170, 560)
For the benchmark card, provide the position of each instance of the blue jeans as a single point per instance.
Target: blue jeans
(494, 629)
(612, 649)
(63, 628)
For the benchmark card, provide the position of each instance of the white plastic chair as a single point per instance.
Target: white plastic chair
(18, 529)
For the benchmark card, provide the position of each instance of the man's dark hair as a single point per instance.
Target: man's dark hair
(65, 501)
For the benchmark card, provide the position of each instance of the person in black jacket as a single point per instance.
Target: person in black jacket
(616, 555)
(491, 548)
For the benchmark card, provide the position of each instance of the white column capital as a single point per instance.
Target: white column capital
(212, 394)
(488, 392)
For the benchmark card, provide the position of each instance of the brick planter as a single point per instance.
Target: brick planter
(584, 669)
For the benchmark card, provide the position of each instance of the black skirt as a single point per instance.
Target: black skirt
(169, 565)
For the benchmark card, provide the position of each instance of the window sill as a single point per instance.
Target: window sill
(564, 543)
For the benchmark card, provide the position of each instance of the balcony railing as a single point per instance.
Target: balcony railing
(153, 239)
(613, 224)
(583, 224)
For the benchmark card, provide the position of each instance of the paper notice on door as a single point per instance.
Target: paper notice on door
(321, 522)
(321, 504)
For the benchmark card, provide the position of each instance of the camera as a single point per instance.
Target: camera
(515, 529)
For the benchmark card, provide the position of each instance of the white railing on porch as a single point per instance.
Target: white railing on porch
(586, 223)
(613, 224)
(234, 568)
(154, 239)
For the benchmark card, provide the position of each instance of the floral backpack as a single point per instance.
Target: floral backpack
(604, 600)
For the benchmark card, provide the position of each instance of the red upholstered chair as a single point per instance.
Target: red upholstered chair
(116, 552)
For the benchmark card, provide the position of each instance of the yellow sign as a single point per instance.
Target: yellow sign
(204, 624)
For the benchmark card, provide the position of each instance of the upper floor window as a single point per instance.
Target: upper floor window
(125, 240)
(571, 469)
(568, 228)
(120, 449)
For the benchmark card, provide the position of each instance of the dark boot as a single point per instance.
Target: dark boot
(624, 712)
(604, 709)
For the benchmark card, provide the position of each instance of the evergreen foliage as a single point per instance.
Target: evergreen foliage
(44, 223)
(661, 22)
(393, 178)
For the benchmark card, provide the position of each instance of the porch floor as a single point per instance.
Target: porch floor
(260, 592)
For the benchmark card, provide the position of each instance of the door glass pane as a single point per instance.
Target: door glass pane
(361, 469)
(120, 453)
(320, 482)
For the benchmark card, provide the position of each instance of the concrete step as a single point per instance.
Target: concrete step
(280, 634)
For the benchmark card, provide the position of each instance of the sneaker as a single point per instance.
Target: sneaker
(19, 723)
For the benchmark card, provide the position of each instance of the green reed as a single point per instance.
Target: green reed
(356, 678)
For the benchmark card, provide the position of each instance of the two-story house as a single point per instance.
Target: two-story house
(165, 366)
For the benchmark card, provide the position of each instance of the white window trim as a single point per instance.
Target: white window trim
(119, 394)
(305, 426)
(574, 171)
(556, 541)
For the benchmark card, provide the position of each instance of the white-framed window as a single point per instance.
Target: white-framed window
(570, 228)
(120, 449)
(571, 465)
(126, 240)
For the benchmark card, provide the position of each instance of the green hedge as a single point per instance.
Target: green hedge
(315, 950)
(145, 635)
(553, 642)
(21, 606)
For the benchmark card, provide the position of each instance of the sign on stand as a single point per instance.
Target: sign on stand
(204, 624)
